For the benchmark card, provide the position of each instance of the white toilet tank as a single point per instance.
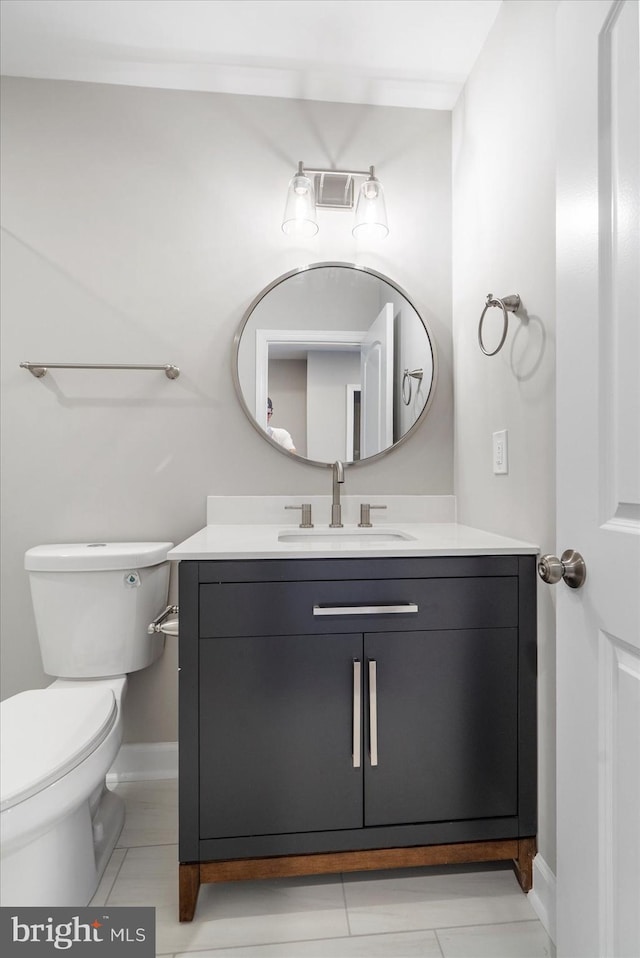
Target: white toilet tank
(93, 603)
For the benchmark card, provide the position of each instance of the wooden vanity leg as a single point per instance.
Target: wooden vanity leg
(189, 886)
(523, 864)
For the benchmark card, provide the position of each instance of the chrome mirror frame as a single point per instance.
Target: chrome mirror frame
(236, 377)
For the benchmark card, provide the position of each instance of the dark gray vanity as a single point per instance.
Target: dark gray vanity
(339, 714)
(353, 695)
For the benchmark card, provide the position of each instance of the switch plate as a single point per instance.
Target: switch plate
(500, 453)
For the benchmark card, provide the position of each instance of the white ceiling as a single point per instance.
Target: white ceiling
(414, 53)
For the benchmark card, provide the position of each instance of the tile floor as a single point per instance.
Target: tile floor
(462, 912)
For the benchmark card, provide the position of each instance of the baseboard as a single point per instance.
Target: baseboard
(543, 895)
(147, 761)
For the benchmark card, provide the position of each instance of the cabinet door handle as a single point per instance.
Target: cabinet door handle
(364, 609)
(357, 685)
(373, 712)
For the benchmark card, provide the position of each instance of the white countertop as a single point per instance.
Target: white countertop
(260, 541)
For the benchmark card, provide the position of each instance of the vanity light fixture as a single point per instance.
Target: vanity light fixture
(371, 211)
(300, 211)
(310, 190)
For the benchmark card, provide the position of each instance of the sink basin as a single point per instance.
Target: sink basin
(344, 535)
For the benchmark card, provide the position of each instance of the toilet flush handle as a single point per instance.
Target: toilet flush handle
(156, 625)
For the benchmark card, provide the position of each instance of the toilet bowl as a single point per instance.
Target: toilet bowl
(58, 820)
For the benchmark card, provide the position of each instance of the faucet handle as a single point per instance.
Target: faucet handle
(305, 522)
(365, 514)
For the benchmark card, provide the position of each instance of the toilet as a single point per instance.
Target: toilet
(93, 604)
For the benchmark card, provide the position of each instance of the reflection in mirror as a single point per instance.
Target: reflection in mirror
(333, 361)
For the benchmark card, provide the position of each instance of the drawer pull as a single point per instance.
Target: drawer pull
(364, 609)
(373, 712)
(357, 684)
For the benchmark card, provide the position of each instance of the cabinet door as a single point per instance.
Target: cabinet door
(277, 734)
(445, 714)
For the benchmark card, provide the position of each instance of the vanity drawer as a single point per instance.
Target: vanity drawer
(288, 608)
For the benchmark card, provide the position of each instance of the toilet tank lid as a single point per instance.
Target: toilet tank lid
(95, 556)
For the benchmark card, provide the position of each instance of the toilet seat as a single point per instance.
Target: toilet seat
(48, 732)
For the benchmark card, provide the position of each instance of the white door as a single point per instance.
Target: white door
(598, 479)
(376, 379)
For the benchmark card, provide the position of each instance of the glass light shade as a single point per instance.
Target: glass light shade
(300, 210)
(371, 211)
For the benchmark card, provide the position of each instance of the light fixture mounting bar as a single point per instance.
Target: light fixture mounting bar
(334, 189)
(308, 170)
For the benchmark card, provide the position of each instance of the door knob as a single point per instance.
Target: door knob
(570, 567)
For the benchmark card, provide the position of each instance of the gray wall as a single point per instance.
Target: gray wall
(504, 242)
(288, 393)
(138, 225)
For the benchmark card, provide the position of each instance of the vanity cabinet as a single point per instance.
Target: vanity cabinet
(275, 738)
(338, 714)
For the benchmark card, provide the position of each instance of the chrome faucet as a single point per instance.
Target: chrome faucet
(336, 508)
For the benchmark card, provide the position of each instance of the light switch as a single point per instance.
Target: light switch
(500, 453)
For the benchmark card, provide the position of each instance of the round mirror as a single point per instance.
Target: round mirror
(333, 361)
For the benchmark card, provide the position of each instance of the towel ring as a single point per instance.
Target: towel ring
(508, 304)
(406, 382)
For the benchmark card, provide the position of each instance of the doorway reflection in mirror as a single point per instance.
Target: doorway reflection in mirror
(281, 436)
(329, 343)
